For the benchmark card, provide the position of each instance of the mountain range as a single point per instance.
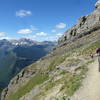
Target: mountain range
(17, 54)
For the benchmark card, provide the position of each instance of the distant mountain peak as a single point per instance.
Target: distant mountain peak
(26, 41)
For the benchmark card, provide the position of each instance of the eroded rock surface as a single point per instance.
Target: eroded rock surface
(85, 25)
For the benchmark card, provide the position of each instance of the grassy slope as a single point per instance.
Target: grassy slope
(70, 81)
(0, 90)
(36, 80)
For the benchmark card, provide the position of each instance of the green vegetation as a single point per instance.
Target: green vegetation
(63, 72)
(57, 61)
(73, 84)
(73, 81)
(72, 61)
(0, 90)
(91, 48)
(49, 85)
(36, 80)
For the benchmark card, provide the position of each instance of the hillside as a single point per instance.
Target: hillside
(58, 75)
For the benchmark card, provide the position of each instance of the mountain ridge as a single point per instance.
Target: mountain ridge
(86, 25)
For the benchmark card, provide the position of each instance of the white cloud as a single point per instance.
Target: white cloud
(33, 28)
(61, 26)
(28, 30)
(53, 31)
(22, 13)
(51, 38)
(5, 37)
(41, 34)
(25, 31)
(2, 34)
(59, 34)
(54, 37)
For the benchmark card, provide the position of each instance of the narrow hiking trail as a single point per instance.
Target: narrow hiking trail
(90, 89)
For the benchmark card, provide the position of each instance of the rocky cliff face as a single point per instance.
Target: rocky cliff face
(85, 25)
(59, 74)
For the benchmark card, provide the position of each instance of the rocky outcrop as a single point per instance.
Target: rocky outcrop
(18, 81)
(86, 25)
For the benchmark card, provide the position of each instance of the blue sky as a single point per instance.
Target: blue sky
(40, 19)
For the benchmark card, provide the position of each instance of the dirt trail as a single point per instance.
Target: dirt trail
(90, 89)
